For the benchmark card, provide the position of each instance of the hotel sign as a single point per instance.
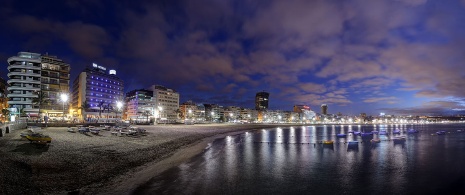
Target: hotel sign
(99, 67)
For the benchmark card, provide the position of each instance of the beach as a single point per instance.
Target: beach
(103, 163)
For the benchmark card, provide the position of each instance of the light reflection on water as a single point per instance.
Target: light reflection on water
(292, 160)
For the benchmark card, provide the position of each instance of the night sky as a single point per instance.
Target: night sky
(392, 56)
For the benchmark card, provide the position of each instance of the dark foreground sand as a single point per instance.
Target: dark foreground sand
(101, 164)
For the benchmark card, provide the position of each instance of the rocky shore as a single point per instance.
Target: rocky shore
(97, 164)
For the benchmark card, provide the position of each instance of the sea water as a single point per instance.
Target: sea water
(292, 160)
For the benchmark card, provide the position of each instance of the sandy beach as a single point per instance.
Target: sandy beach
(104, 163)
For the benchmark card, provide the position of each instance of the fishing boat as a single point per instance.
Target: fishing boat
(376, 140)
(350, 131)
(383, 132)
(412, 131)
(441, 132)
(399, 139)
(341, 135)
(39, 138)
(366, 134)
(357, 132)
(328, 142)
(397, 131)
(374, 132)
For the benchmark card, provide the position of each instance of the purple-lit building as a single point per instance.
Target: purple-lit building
(101, 90)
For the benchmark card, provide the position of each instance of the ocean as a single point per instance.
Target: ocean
(293, 160)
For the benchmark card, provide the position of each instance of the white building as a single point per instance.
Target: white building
(140, 106)
(24, 80)
(166, 103)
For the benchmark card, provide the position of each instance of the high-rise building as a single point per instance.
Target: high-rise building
(261, 101)
(166, 102)
(24, 81)
(35, 84)
(100, 91)
(54, 81)
(140, 105)
(324, 109)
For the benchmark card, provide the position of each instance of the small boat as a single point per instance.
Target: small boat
(441, 132)
(375, 140)
(397, 131)
(350, 131)
(459, 130)
(383, 132)
(341, 135)
(366, 134)
(399, 139)
(357, 132)
(39, 138)
(328, 142)
(353, 142)
(412, 131)
(374, 132)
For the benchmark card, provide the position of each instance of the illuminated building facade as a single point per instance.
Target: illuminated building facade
(54, 81)
(261, 101)
(101, 91)
(166, 103)
(140, 106)
(31, 74)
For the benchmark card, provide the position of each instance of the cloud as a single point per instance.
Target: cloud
(388, 100)
(432, 108)
(87, 40)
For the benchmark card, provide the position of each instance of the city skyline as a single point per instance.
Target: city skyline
(396, 57)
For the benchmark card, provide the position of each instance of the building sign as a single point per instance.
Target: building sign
(99, 67)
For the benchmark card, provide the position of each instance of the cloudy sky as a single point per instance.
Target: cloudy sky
(392, 56)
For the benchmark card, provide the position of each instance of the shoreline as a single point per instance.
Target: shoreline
(103, 163)
(142, 175)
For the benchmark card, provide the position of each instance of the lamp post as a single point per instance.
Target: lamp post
(119, 105)
(212, 113)
(160, 109)
(64, 98)
(231, 115)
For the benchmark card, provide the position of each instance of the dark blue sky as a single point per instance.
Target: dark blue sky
(392, 56)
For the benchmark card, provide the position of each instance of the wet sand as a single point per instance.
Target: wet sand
(104, 163)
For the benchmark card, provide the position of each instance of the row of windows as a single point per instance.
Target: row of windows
(106, 80)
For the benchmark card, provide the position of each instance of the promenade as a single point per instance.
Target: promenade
(102, 163)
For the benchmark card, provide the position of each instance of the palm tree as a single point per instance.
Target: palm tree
(100, 106)
(147, 113)
(85, 106)
(42, 98)
(5, 114)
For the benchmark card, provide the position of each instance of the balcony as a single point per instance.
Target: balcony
(31, 74)
(10, 102)
(23, 81)
(23, 67)
(27, 95)
(22, 88)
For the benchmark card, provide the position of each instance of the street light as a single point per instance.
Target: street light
(160, 109)
(64, 98)
(119, 105)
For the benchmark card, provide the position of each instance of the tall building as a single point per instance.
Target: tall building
(261, 101)
(324, 109)
(140, 105)
(24, 81)
(54, 81)
(100, 90)
(31, 74)
(212, 112)
(167, 103)
(305, 112)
